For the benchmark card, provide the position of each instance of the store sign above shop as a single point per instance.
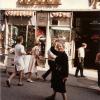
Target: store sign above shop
(39, 2)
(42, 19)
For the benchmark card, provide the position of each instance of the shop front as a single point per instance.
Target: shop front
(41, 27)
(61, 29)
(54, 25)
(87, 27)
(2, 20)
(18, 23)
(52, 20)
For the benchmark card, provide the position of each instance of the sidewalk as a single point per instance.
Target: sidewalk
(2, 65)
(90, 81)
(90, 74)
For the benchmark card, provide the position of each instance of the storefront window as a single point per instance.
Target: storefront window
(30, 38)
(41, 37)
(13, 31)
(54, 21)
(17, 30)
(62, 35)
(2, 26)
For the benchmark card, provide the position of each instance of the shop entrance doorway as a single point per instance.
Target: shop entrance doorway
(87, 27)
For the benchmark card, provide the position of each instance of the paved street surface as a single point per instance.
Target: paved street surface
(77, 89)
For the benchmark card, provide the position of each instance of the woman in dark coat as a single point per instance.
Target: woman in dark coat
(59, 73)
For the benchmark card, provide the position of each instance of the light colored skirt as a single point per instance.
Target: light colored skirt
(32, 65)
(19, 63)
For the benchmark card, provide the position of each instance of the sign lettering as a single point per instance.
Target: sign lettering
(36, 2)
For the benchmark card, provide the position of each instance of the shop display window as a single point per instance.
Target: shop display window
(62, 35)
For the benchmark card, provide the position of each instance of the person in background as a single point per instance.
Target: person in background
(18, 61)
(34, 62)
(42, 48)
(59, 73)
(51, 62)
(81, 56)
(98, 65)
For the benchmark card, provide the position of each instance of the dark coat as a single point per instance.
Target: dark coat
(60, 72)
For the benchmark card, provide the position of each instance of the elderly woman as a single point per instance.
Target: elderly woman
(60, 73)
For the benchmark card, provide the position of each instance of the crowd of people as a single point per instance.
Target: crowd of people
(58, 65)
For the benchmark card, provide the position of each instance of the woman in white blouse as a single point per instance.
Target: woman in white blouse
(18, 61)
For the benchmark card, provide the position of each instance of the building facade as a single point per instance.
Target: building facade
(44, 20)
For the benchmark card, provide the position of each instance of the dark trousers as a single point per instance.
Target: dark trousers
(99, 77)
(80, 67)
(51, 66)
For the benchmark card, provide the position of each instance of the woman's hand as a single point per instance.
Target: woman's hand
(64, 79)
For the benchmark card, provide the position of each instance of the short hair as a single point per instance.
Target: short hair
(19, 39)
(84, 44)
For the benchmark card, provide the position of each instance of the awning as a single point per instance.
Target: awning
(61, 28)
(60, 14)
(18, 13)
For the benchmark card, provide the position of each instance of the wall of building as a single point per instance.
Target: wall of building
(18, 20)
(65, 4)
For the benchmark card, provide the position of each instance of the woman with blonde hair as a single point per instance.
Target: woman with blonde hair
(59, 73)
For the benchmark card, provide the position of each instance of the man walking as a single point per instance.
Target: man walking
(51, 62)
(81, 56)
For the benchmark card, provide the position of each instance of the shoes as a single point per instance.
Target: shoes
(29, 80)
(83, 76)
(43, 77)
(37, 77)
(50, 98)
(8, 83)
(20, 84)
(76, 76)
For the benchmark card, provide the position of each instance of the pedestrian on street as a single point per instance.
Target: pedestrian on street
(51, 58)
(18, 61)
(34, 62)
(98, 65)
(81, 56)
(59, 73)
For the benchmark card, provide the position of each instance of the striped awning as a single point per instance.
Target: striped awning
(61, 14)
(18, 13)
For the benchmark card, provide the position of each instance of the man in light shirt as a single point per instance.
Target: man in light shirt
(81, 56)
(51, 59)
